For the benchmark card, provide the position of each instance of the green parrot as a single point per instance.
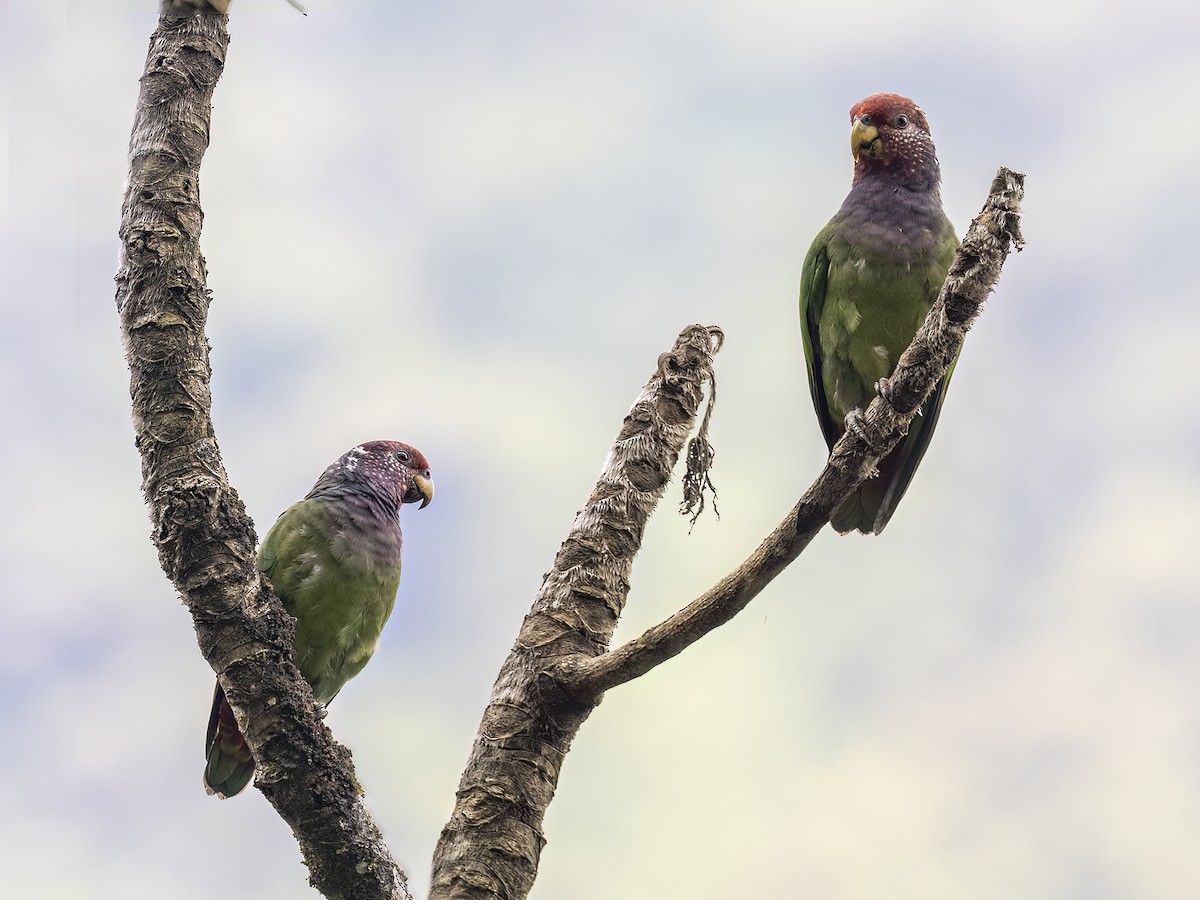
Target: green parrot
(334, 561)
(868, 282)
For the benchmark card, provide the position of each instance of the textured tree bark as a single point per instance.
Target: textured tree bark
(491, 845)
(205, 540)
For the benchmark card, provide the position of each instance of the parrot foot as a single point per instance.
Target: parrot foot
(856, 423)
(883, 387)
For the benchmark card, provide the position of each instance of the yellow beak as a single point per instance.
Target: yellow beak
(865, 138)
(425, 486)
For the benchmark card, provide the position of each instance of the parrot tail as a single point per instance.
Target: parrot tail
(860, 511)
(230, 766)
(871, 506)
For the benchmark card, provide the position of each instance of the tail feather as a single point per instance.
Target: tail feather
(871, 505)
(861, 510)
(229, 765)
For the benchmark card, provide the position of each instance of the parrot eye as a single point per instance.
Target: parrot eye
(868, 120)
(404, 456)
(901, 121)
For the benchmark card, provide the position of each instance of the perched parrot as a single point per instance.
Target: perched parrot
(334, 561)
(868, 282)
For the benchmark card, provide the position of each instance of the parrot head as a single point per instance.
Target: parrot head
(889, 134)
(392, 471)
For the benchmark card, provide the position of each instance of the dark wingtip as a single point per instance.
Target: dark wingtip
(228, 764)
(231, 783)
(852, 515)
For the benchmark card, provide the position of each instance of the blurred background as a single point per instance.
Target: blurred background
(474, 227)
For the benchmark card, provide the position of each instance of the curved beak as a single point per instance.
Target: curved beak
(420, 488)
(864, 139)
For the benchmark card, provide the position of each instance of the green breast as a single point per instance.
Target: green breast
(873, 307)
(340, 597)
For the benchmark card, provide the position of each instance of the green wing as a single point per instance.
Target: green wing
(290, 551)
(814, 284)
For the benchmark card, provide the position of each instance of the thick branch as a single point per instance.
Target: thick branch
(972, 277)
(491, 845)
(205, 539)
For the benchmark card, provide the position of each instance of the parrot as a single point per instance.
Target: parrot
(334, 562)
(867, 284)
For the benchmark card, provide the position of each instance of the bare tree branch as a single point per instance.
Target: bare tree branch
(972, 277)
(204, 537)
(491, 845)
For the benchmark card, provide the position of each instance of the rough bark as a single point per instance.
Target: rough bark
(972, 276)
(205, 540)
(492, 843)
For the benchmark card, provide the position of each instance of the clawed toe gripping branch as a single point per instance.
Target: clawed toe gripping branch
(560, 664)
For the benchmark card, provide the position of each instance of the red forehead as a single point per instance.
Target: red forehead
(884, 106)
(418, 458)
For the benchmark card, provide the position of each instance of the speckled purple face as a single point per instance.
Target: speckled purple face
(396, 470)
(891, 110)
(890, 134)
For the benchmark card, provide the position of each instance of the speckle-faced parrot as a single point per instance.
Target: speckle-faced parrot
(334, 561)
(868, 282)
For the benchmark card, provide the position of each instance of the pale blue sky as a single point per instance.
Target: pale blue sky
(473, 227)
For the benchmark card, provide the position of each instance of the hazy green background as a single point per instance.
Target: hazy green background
(473, 226)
